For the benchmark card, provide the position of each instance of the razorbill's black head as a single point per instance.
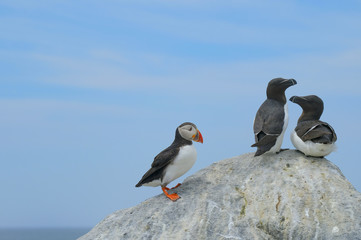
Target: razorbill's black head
(276, 88)
(175, 160)
(312, 136)
(311, 105)
(272, 117)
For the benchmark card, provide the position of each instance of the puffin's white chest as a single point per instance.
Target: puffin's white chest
(184, 161)
(276, 148)
(310, 148)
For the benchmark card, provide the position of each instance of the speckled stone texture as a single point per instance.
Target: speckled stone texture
(273, 196)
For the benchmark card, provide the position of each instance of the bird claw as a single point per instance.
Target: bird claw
(174, 197)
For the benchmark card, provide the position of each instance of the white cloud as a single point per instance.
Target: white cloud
(22, 111)
(96, 66)
(323, 72)
(275, 23)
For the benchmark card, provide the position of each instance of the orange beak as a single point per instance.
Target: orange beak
(198, 137)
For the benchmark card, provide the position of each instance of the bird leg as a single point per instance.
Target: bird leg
(174, 197)
(172, 187)
(176, 186)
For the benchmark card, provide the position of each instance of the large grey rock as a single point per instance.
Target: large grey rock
(280, 196)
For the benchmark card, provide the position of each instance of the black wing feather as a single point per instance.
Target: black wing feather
(165, 156)
(267, 125)
(316, 131)
(160, 162)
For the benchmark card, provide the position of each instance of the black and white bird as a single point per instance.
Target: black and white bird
(312, 136)
(174, 161)
(272, 117)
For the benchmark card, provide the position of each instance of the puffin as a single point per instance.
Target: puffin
(271, 118)
(174, 161)
(312, 136)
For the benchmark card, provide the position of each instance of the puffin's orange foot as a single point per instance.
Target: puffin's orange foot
(176, 186)
(173, 196)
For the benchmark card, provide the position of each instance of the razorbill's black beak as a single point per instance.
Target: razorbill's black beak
(289, 82)
(297, 99)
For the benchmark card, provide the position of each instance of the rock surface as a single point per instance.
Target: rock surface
(273, 196)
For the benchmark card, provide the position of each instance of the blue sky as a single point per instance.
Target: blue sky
(91, 91)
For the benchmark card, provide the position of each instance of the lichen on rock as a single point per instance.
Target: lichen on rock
(273, 196)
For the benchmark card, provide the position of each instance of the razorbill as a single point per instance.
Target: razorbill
(271, 119)
(174, 161)
(312, 136)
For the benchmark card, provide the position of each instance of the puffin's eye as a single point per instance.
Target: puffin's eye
(190, 129)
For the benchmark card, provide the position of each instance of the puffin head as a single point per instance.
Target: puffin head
(311, 105)
(190, 132)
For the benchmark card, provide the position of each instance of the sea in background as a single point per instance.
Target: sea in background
(42, 233)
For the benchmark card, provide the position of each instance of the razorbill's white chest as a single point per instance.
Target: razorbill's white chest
(310, 148)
